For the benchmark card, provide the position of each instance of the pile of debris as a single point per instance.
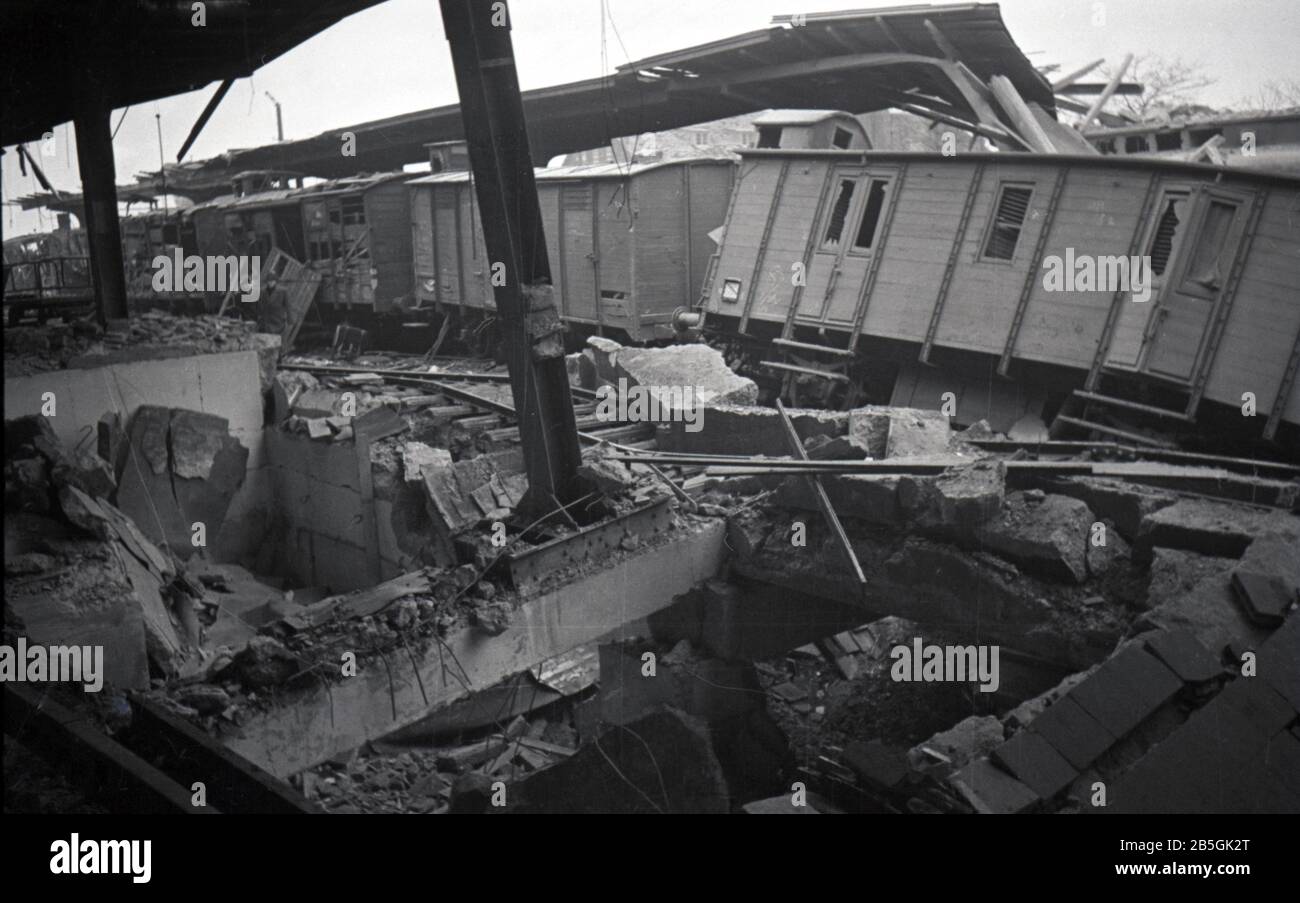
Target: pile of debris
(153, 334)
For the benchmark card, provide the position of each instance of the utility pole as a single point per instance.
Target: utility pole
(532, 333)
(279, 122)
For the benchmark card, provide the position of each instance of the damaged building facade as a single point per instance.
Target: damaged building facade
(933, 537)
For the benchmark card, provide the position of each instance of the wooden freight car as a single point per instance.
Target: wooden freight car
(357, 234)
(932, 269)
(353, 231)
(628, 243)
(261, 213)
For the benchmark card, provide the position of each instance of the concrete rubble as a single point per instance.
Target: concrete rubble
(393, 534)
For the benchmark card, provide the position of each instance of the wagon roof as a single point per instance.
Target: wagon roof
(584, 171)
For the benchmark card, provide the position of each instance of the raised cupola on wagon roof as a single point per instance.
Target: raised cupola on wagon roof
(810, 130)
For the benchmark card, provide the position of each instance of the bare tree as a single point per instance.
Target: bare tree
(1166, 83)
(1281, 94)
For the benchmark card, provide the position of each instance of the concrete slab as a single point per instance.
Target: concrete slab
(991, 790)
(1211, 528)
(1183, 654)
(1036, 763)
(1076, 735)
(1126, 690)
(309, 726)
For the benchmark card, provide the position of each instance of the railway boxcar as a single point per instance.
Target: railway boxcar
(840, 255)
(629, 244)
(357, 234)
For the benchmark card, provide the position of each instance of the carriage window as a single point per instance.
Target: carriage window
(1162, 243)
(1012, 207)
(871, 215)
(731, 290)
(835, 228)
(843, 138)
(769, 136)
(1207, 264)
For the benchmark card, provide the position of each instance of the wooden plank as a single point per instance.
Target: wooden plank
(1112, 315)
(868, 284)
(761, 252)
(1035, 267)
(954, 252)
(823, 501)
(1223, 309)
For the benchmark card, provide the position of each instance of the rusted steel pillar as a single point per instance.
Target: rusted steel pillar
(493, 114)
(99, 195)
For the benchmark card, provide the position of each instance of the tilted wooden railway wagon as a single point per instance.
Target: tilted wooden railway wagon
(353, 231)
(628, 243)
(940, 266)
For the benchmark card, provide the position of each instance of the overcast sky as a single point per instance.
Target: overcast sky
(393, 59)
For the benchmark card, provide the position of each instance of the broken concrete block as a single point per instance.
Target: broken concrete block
(1183, 654)
(865, 497)
(89, 473)
(319, 428)
(27, 485)
(1264, 597)
(1104, 557)
(606, 475)
(968, 739)
(895, 432)
(915, 431)
(417, 458)
(1125, 504)
(750, 430)
(990, 790)
(696, 365)
(263, 663)
(204, 698)
(837, 448)
(1211, 528)
(195, 440)
(1077, 736)
(961, 499)
(1048, 539)
(319, 402)
(91, 604)
(1036, 763)
(450, 490)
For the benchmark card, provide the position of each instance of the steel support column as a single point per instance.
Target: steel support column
(99, 195)
(492, 110)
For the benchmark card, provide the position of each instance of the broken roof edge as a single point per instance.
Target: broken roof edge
(1011, 158)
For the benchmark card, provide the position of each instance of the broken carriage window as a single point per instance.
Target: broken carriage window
(731, 290)
(1162, 243)
(1013, 205)
(871, 215)
(838, 213)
